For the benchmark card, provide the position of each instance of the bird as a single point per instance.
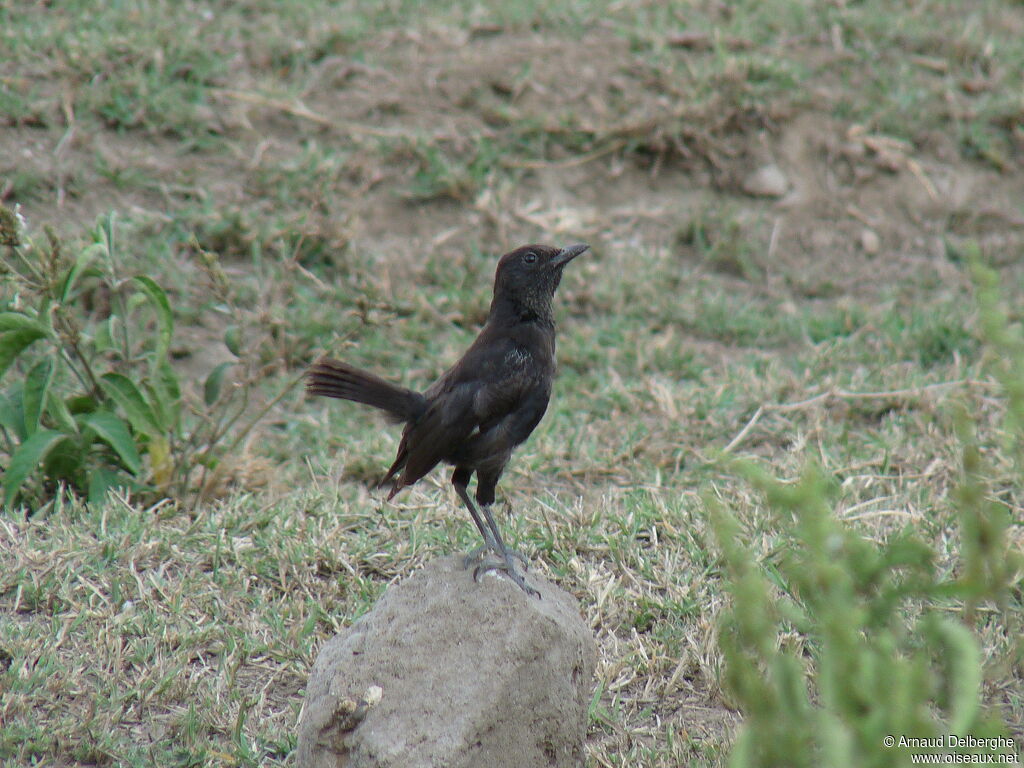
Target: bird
(480, 409)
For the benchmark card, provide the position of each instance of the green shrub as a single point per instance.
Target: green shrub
(839, 642)
(89, 399)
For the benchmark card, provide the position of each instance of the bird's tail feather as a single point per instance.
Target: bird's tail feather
(333, 378)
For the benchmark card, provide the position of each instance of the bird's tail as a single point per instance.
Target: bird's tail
(333, 378)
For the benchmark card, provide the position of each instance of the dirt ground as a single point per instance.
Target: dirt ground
(857, 211)
(840, 211)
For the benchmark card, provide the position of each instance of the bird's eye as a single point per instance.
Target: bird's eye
(530, 257)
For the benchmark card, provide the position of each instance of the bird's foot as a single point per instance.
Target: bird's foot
(506, 566)
(475, 558)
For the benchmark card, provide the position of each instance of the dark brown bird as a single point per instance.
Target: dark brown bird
(482, 407)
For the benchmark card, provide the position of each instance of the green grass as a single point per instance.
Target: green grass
(182, 635)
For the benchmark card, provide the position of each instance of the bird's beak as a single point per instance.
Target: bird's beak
(567, 254)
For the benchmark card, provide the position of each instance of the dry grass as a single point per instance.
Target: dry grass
(392, 164)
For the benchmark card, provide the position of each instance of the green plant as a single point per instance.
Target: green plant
(89, 399)
(876, 653)
(71, 411)
(988, 572)
(838, 642)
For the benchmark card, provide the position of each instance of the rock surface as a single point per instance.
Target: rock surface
(870, 242)
(447, 672)
(766, 181)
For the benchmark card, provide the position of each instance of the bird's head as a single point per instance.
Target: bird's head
(527, 277)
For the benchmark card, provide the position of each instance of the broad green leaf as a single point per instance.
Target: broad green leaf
(103, 479)
(114, 432)
(103, 338)
(12, 413)
(159, 450)
(165, 320)
(81, 267)
(106, 229)
(64, 461)
(165, 396)
(33, 398)
(123, 391)
(81, 404)
(16, 321)
(59, 412)
(26, 458)
(155, 400)
(214, 382)
(233, 340)
(13, 343)
(168, 395)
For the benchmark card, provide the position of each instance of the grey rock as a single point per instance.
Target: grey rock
(445, 671)
(870, 242)
(766, 181)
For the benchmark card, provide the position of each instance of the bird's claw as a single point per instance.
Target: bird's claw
(506, 566)
(476, 557)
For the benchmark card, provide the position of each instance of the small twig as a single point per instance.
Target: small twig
(880, 513)
(300, 110)
(856, 508)
(745, 431)
(70, 338)
(570, 162)
(892, 394)
(232, 447)
(774, 241)
(918, 172)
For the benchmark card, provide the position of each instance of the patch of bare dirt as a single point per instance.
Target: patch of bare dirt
(862, 210)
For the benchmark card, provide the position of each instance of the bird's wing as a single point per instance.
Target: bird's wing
(493, 383)
(447, 422)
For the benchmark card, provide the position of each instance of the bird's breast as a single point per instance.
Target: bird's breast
(530, 362)
(518, 356)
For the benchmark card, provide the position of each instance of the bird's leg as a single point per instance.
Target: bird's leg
(497, 546)
(460, 479)
(501, 548)
(486, 484)
(493, 541)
